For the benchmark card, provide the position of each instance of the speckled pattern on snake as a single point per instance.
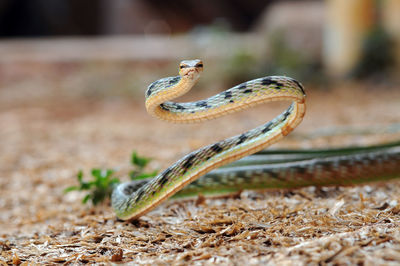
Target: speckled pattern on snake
(134, 199)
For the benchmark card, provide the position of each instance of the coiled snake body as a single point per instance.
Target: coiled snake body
(132, 200)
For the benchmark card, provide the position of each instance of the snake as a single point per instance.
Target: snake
(197, 171)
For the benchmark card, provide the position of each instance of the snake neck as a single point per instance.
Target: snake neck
(237, 98)
(154, 103)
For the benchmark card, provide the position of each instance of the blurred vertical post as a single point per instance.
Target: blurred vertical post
(347, 23)
(391, 24)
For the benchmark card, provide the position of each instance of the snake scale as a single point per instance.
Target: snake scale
(133, 199)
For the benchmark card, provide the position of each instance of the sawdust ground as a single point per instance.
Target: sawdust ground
(45, 142)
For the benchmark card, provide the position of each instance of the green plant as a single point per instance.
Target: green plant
(100, 188)
(139, 163)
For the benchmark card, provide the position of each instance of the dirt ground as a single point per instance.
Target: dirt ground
(46, 141)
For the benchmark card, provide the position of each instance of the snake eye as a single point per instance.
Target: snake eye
(183, 66)
(199, 65)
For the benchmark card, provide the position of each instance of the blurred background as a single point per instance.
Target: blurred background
(117, 47)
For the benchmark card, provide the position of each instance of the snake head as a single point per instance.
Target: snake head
(191, 68)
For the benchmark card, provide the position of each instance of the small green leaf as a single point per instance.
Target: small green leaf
(80, 176)
(109, 173)
(85, 185)
(69, 189)
(138, 161)
(96, 173)
(86, 198)
(138, 176)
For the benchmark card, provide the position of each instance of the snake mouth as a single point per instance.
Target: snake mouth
(190, 68)
(192, 71)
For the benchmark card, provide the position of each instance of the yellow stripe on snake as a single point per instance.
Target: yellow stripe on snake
(134, 199)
